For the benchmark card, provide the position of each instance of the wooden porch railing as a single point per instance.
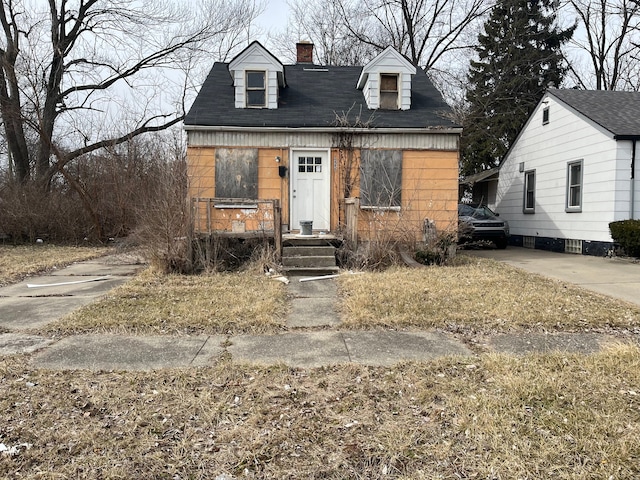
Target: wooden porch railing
(238, 217)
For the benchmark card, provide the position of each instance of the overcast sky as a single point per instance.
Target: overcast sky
(275, 15)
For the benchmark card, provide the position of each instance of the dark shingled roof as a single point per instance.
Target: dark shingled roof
(615, 111)
(312, 98)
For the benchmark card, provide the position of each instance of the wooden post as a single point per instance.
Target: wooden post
(277, 228)
(351, 207)
(209, 216)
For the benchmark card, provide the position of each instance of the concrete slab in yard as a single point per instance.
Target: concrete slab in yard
(19, 313)
(15, 343)
(119, 352)
(47, 286)
(306, 350)
(524, 343)
(388, 348)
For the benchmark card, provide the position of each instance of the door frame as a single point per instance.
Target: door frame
(293, 177)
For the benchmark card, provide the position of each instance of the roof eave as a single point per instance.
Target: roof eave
(626, 137)
(222, 128)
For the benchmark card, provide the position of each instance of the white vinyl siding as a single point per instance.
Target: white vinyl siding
(372, 92)
(547, 149)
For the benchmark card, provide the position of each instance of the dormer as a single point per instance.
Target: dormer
(386, 81)
(257, 76)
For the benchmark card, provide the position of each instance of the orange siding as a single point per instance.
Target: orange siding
(201, 168)
(429, 191)
(202, 172)
(270, 185)
(430, 187)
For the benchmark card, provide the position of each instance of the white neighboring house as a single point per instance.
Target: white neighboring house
(571, 171)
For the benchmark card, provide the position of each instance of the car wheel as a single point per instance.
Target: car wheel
(501, 244)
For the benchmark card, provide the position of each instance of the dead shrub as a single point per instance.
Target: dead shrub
(29, 212)
(219, 253)
(163, 225)
(438, 250)
(98, 197)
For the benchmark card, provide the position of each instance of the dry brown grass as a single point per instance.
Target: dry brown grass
(476, 295)
(493, 417)
(155, 304)
(17, 262)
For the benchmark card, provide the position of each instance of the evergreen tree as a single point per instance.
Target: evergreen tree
(519, 57)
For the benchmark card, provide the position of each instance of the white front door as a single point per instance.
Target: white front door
(310, 188)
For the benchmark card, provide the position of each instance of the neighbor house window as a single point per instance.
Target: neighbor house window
(545, 115)
(388, 91)
(256, 89)
(381, 179)
(529, 192)
(574, 186)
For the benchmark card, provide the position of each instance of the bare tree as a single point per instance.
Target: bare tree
(422, 30)
(322, 23)
(608, 34)
(77, 76)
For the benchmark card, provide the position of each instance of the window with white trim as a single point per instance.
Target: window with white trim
(256, 92)
(529, 192)
(545, 115)
(574, 186)
(389, 91)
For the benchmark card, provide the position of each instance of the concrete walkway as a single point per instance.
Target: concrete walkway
(311, 342)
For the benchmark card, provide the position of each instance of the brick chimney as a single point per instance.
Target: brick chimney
(304, 52)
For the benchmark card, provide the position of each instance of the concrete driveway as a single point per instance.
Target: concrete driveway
(615, 277)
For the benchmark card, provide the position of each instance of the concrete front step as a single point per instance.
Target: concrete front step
(315, 240)
(309, 261)
(309, 271)
(308, 251)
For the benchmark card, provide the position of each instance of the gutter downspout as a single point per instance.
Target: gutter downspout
(633, 179)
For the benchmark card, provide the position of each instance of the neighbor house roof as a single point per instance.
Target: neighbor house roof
(313, 97)
(613, 110)
(483, 176)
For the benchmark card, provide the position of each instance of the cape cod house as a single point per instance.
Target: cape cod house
(570, 172)
(282, 147)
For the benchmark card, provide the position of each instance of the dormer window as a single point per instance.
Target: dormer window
(256, 89)
(389, 91)
(386, 81)
(257, 77)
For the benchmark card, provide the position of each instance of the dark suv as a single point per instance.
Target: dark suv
(478, 222)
